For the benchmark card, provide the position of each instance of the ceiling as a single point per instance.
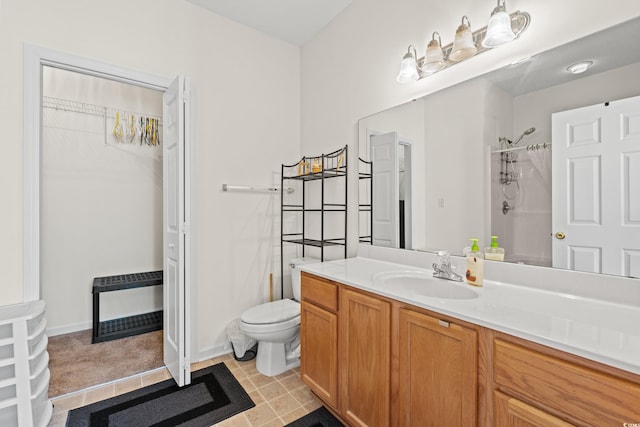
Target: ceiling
(294, 21)
(608, 49)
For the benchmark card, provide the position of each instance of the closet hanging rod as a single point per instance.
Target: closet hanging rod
(91, 109)
(530, 147)
(250, 189)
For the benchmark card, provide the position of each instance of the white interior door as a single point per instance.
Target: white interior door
(596, 188)
(175, 231)
(385, 209)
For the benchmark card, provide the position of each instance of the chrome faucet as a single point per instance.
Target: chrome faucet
(443, 268)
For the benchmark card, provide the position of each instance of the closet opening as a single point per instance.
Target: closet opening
(101, 219)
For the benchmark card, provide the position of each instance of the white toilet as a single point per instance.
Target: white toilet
(276, 327)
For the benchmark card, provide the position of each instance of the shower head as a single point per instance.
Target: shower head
(525, 133)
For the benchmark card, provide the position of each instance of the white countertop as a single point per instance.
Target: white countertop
(602, 331)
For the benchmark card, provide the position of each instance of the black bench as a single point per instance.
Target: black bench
(126, 326)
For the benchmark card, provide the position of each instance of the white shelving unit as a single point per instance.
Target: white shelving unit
(24, 366)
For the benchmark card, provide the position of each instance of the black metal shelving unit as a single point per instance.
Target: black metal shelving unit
(309, 170)
(365, 172)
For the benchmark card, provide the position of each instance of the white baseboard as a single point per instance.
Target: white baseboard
(211, 352)
(67, 329)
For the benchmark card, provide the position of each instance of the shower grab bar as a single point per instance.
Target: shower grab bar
(250, 189)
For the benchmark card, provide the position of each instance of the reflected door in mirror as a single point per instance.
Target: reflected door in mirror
(596, 188)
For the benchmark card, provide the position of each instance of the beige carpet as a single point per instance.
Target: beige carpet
(76, 364)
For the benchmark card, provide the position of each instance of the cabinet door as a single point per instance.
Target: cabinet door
(511, 412)
(437, 372)
(365, 329)
(319, 351)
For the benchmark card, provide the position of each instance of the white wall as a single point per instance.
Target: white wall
(461, 125)
(101, 201)
(349, 70)
(247, 99)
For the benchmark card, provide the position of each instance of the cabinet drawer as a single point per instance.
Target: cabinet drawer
(583, 393)
(511, 412)
(319, 291)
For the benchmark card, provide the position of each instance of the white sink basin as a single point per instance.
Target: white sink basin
(412, 283)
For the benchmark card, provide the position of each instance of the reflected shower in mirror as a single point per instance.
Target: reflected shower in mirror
(543, 157)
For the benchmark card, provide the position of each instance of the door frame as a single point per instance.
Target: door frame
(34, 58)
(407, 145)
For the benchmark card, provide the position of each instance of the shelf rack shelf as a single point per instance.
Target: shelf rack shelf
(25, 375)
(365, 172)
(308, 170)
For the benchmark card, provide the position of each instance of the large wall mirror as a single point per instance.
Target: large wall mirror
(544, 157)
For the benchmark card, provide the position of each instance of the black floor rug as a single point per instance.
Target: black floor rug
(213, 395)
(318, 418)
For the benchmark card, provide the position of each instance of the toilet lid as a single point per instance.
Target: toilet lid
(272, 312)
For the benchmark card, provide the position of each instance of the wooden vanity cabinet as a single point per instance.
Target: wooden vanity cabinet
(379, 362)
(538, 386)
(365, 357)
(437, 381)
(319, 337)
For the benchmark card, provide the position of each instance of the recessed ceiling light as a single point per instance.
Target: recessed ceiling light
(579, 67)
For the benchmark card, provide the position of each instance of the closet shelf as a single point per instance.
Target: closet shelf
(91, 109)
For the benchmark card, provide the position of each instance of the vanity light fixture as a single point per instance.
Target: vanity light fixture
(409, 67)
(499, 29)
(465, 45)
(579, 67)
(434, 57)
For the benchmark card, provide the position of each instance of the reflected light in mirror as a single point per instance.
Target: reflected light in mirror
(579, 67)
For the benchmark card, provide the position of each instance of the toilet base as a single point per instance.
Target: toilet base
(272, 359)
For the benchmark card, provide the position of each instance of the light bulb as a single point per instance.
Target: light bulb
(499, 29)
(433, 59)
(408, 68)
(463, 46)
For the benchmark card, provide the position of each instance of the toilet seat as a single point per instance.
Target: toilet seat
(265, 328)
(271, 316)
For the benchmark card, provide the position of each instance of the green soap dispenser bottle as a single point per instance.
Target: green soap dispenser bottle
(494, 252)
(475, 266)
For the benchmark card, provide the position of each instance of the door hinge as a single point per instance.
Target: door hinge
(185, 228)
(185, 95)
(187, 368)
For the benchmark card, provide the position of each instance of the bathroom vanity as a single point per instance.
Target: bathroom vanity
(381, 352)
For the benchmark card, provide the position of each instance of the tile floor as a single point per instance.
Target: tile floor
(279, 400)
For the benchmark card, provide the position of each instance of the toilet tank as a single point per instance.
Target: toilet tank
(294, 265)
